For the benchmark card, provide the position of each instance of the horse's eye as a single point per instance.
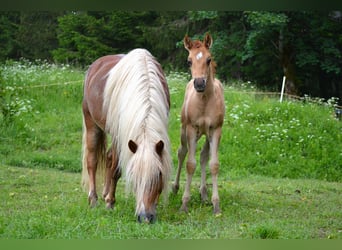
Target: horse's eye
(208, 60)
(189, 62)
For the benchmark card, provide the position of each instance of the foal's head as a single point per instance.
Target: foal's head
(200, 61)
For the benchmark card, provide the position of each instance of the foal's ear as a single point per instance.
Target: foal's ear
(159, 148)
(132, 146)
(187, 42)
(208, 41)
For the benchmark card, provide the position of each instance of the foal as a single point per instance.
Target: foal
(202, 114)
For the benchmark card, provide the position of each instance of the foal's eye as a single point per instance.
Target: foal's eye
(189, 62)
(208, 60)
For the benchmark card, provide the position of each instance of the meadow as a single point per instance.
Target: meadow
(280, 175)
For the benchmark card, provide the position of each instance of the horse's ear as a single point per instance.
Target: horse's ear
(208, 41)
(187, 42)
(132, 146)
(159, 148)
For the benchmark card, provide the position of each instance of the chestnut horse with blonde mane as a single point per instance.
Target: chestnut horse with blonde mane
(127, 97)
(202, 114)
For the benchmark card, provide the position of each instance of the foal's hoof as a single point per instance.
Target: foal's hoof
(175, 188)
(217, 211)
(184, 209)
(204, 195)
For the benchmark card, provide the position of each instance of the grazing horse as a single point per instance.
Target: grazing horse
(202, 114)
(127, 97)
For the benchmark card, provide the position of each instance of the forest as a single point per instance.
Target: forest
(252, 46)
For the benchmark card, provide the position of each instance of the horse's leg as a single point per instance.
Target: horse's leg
(108, 173)
(204, 160)
(182, 151)
(92, 141)
(116, 177)
(214, 167)
(113, 175)
(190, 165)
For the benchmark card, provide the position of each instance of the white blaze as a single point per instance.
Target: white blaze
(199, 56)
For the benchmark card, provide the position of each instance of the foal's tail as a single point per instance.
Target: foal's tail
(101, 159)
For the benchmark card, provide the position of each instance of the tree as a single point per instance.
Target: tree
(8, 27)
(85, 36)
(36, 34)
(266, 56)
(78, 35)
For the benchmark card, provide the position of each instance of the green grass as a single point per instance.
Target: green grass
(49, 203)
(280, 175)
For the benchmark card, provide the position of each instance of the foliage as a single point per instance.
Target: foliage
(83, 37)
(257, 46)
(78, 37)
(7, 40)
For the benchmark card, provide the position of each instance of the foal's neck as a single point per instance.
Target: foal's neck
(210, 85)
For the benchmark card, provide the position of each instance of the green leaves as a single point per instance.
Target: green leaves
(266, 20)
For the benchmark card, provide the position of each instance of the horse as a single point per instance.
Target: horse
(202, 113)
(126, 98)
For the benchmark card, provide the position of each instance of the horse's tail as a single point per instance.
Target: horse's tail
(101, 159)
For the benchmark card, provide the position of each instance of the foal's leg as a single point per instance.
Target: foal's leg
(204, 160)
(214, 168)
(190, 166)
(182, 151)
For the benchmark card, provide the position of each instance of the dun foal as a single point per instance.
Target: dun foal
(202, 114)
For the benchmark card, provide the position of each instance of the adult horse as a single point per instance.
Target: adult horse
(202, 114)
(127, 97)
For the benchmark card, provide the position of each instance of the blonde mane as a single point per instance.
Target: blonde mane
(137, 109)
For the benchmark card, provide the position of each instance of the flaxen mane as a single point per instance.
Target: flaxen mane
(136, 103)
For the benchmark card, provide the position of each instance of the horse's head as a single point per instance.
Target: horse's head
(199, 60)
(148, 179)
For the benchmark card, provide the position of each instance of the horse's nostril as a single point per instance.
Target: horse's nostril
(146, 218)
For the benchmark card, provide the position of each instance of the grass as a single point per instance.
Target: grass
(50, 204)
(280, 174)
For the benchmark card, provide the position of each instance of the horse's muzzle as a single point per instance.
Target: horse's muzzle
(200, 84)
(146, 218)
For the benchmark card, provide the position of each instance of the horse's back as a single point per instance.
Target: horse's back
(94, 85)
(100, 68)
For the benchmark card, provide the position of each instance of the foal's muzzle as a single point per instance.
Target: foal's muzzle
(200, 84)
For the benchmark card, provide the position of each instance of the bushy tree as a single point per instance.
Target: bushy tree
(79, 39)
(8, 27)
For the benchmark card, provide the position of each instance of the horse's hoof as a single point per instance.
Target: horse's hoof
(92, 202)
(110, 205)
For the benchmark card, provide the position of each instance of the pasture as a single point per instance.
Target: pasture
(280, 174)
